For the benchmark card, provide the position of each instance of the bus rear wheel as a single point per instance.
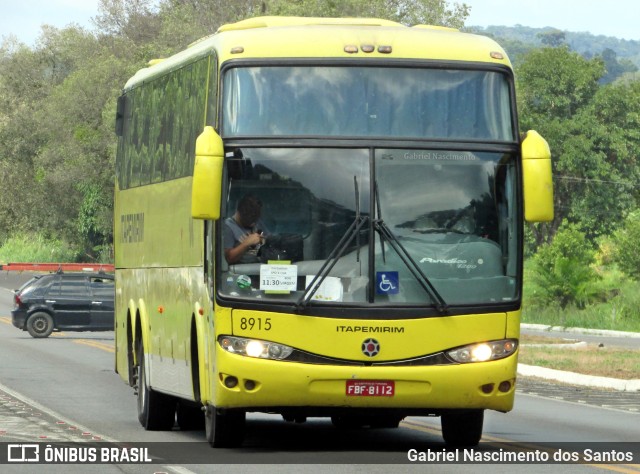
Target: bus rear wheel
(224, 429)
(462, 429)
(156, 411)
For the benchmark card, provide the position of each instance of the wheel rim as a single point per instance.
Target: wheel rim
(40, 325)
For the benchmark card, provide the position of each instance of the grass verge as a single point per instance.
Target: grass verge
(583, 359)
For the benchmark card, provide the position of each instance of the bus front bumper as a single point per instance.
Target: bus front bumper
(263, 385)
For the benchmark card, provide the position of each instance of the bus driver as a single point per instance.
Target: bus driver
(244, 232)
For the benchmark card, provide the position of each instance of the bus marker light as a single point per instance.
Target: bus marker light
(496, 55)
(237, 50)
(201, 312)
(385, 49)
(160, 309)
(351, 49)
(368, 48)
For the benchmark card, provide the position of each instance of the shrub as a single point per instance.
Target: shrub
(36, 249)
(562, 272)
(626, 241)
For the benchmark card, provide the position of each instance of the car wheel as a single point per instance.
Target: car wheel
(40, 324)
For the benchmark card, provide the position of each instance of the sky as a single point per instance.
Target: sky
(619, 18)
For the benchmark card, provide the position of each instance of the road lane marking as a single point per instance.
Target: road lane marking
(53, 414)
(179, 469)
(98, 345)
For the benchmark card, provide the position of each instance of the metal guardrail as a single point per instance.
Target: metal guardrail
(53, 267)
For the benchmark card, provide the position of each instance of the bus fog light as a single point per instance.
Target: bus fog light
(505, 386)
(231, 382)
(487, 388)
(249, 385)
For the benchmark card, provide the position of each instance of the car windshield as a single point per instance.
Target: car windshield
(398, 226)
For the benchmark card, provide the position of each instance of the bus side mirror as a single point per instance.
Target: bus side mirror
(207, 176)
(537, 179)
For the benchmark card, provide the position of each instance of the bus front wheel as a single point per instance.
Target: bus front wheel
(156, 411)
(224, 429)
(462, 429)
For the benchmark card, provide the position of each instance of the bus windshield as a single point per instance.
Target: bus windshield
(392, 102)
(448, 213)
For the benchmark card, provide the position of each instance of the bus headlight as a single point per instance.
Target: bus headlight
(483, 351)
(254, 348)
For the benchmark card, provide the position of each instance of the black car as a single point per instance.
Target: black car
(65, 301)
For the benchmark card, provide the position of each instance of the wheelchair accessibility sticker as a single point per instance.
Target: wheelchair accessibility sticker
(387, 283)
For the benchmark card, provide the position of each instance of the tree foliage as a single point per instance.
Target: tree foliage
(626, 241)
(562, 272)
(592, 131)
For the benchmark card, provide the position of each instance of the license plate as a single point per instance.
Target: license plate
(370, 388)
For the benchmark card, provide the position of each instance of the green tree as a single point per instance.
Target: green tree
(555, 83)
(593, 134)
(626, 241)
(552, 38)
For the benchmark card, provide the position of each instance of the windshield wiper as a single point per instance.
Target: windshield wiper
(338, 251)
(386, 234)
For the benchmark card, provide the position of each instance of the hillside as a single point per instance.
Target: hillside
(518, 39)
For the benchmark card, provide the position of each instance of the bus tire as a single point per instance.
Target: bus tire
(224, 429)
(156, 411)
(190, 416)
(40, 324)
(462, 429)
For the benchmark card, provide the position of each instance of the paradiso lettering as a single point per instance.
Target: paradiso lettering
(382, 329)
(132, 228)
(451, 261)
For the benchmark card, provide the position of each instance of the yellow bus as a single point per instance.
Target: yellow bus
(379, 275)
